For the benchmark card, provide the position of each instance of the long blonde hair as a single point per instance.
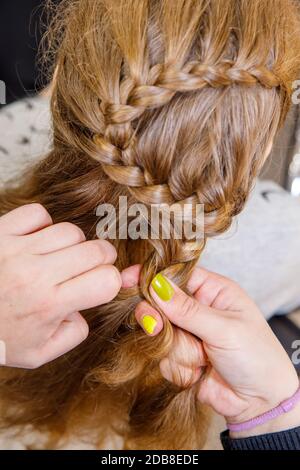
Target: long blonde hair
(162, 101)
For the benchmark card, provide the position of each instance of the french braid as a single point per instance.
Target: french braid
(119, 162)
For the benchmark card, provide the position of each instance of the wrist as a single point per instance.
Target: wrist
(281, 423)
(269, 416)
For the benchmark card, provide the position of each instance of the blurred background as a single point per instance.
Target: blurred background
(22, 24)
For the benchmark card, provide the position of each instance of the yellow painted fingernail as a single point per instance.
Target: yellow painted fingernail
(149, 324)
(162, 287)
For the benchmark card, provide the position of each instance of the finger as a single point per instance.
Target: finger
(55, 237)
(130, 276)
(78, 259)
(25, 219)
(206, 286)
(93, 288)
(184, 310)
(187, 350)
(215, 290)
(69, 334)
(148, 318)
(178, 374)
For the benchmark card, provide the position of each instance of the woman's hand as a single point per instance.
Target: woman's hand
(47, 274)
(220, 328)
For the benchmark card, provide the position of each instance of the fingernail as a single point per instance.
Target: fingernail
(162, 287)
(149, 323)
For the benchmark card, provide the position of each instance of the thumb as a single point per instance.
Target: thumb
(185, 311)
(70, 333)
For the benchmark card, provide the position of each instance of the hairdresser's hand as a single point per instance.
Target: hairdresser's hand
(48, 273)
(248, 371)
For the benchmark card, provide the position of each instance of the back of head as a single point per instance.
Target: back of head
(163, 102)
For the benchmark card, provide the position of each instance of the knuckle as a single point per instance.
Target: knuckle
(188, 306)
(95, 252)
(235, 315)
(113, 280)
(72, 231)
(108, 250)
(230, 284)
(84, 328)
(39, 212)
(233, 285)
(141, 307)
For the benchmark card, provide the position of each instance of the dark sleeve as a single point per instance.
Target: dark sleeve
(284, 440)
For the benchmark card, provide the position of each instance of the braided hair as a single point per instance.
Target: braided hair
(165, 102)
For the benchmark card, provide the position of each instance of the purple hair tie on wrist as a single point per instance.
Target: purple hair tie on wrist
(284, 407)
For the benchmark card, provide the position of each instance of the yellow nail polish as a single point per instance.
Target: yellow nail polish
(149, 324)
(162, 287)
